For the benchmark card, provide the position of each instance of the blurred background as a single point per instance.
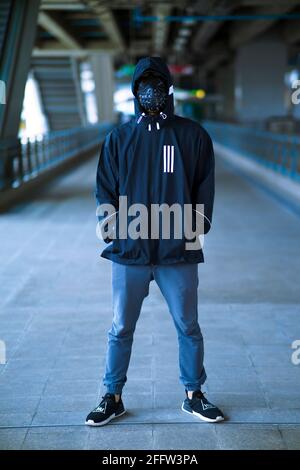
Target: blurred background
(65, 73)
(68, 64)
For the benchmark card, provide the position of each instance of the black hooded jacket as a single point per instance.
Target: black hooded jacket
(156, 159)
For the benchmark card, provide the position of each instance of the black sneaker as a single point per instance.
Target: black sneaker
(199, 406)
(106, 411)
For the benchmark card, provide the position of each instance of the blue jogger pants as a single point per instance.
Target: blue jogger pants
(130, 285)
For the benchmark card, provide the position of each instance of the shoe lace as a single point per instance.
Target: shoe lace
(105, 398)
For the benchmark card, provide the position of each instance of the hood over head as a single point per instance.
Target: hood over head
(158, 65)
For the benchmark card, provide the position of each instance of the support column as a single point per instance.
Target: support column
(103, 72)
(14, 67)
(79, 94)
(15, 63)
(259, 79)
(225, 83)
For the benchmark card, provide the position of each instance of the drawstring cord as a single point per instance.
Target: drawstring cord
(163, 116)
(141, 117)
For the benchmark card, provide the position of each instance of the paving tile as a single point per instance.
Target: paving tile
(30, 366)
(12, 439)
(71, 387)
(79, 362)
(185, 437)
(12, 404)
(93, 373)
(141, 360)
(20, 388)
(39, 375)
(138, 400)
(55, 439)
(228, 359)
(262, 415)
(171, 399)
(173, 415)
(270, 355)
(82, 352)
(168, 385)
(283, 399)
(229, 373)
(59, 403)
(231, 384)
(59, 418)
(112, 437)
(170, 371)
(15, 419)
(241, 437)
(30, 352)
(144, 372)
(263, 338)
(291, 436)
(289, 372)
(137, 386)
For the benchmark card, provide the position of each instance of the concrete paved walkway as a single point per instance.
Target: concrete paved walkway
(55, 310)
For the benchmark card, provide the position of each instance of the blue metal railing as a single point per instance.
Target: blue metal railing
(279, 152)
(22, 161)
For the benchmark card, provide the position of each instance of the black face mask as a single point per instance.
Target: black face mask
(152, 94)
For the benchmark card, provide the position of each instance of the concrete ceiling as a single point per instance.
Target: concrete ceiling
(133, 28)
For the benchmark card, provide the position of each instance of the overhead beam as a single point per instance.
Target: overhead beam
(208, 29)
(55, 27)
(56, 50)
(160, 28)
(65, 5)
(108, 23)
(244, 32)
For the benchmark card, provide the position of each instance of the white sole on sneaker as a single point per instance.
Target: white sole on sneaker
(208, 420)
(90, 422)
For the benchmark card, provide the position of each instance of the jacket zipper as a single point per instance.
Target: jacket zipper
(149, 127)
(153, 241)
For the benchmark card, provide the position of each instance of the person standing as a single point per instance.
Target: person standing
(156, 158)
